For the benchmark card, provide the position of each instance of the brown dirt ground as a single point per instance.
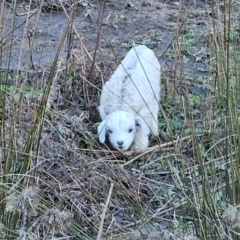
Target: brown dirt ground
(149, 22)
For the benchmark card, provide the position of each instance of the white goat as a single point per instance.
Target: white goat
(129, 101)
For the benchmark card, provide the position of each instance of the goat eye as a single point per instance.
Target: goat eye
(109, 131)
(130, 130)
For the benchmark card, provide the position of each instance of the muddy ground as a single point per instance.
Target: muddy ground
(125, 23)
(161, 25)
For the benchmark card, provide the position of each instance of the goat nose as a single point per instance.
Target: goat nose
(120, 143)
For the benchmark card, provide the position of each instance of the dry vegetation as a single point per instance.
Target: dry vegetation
(58, 182)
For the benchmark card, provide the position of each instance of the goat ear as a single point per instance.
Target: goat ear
(142, 124)
(102, 131)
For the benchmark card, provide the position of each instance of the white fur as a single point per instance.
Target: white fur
(129, 101)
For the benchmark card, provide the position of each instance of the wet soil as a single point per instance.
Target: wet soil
(154, 23)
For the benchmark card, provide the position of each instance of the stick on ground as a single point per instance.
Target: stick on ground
(104, 212)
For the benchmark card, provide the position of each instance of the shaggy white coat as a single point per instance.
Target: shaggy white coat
(129, 102)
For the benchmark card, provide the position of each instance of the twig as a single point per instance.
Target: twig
(70, 33)
(171, 41)
(2, 17)
(104, 212)
(100, 21)
(18, 26)
(161, 147)
(154, 148)
(29, 35)
(76, 32)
